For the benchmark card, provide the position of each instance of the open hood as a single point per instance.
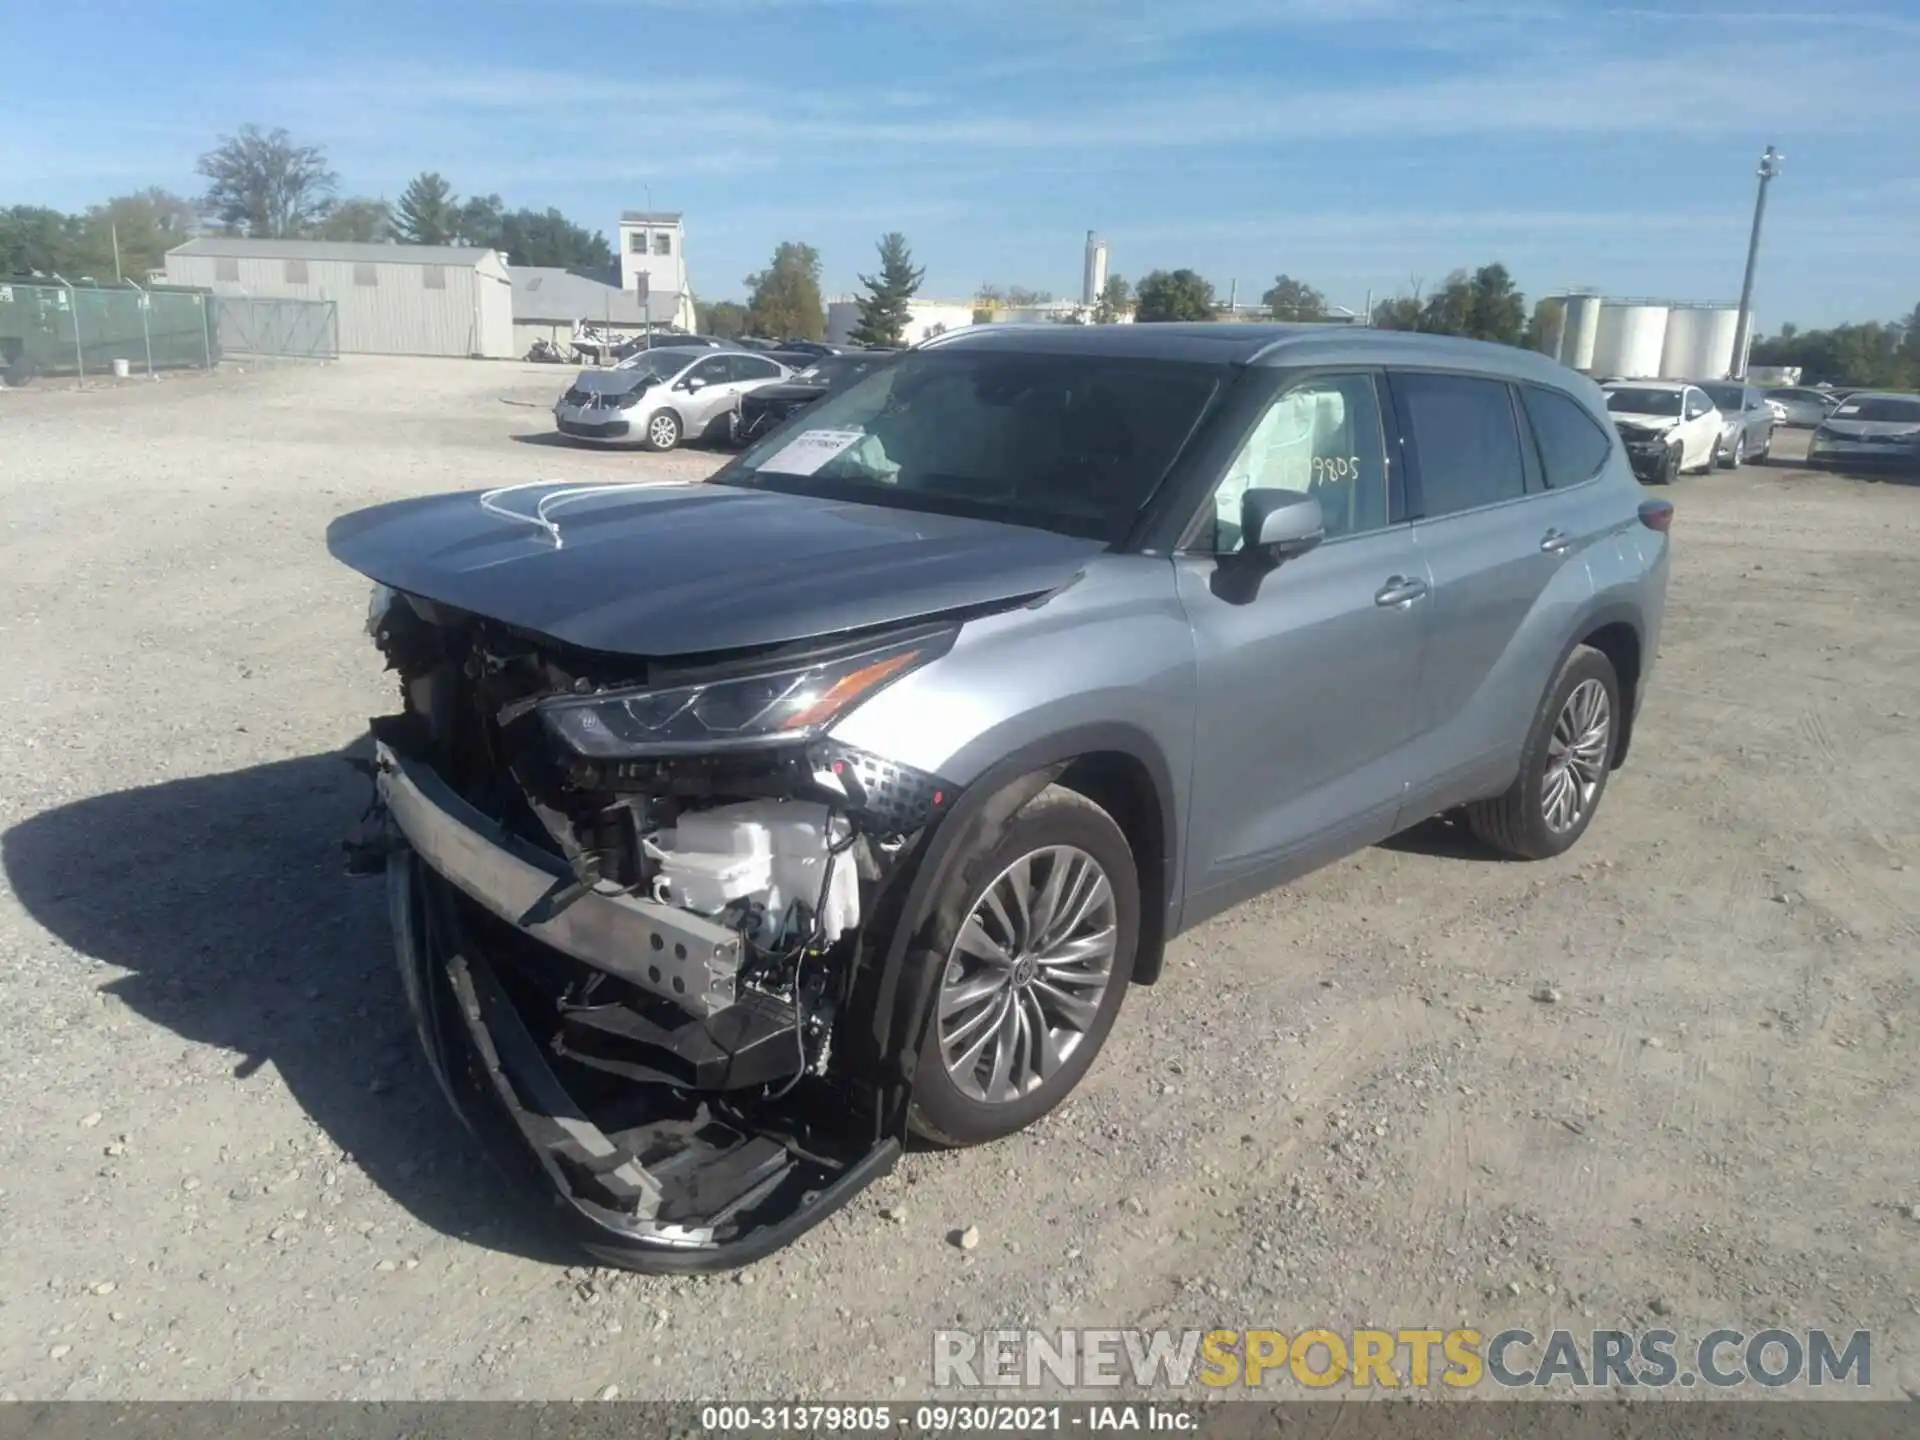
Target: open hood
(660, 570)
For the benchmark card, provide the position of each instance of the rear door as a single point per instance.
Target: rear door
(1504, 548)
(1305, 679)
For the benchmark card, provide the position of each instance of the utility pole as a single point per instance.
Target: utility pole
(1743, 322)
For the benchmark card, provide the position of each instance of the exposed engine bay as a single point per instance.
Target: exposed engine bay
(636, 904)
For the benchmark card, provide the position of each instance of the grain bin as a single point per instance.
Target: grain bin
(1552, 317)
(1581, 332)
(1630, 340)
(1699, 344)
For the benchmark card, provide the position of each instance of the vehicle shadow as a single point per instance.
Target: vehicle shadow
(226, 901)
(1444, 838)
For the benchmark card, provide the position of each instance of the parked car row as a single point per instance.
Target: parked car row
(695, 388)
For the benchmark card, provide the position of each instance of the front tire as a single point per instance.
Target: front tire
(1564, 767)
(1038, 935)
(1734, 456)
(1670, 467)
(662, 432)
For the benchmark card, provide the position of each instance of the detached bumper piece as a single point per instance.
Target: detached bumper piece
(646, 1126)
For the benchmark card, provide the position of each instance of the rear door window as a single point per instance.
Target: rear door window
(1573, 447)
(1463, 434)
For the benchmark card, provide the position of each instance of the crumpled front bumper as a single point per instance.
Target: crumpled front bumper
(680, 1190)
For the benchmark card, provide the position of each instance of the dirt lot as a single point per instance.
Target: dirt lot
(223, 1172)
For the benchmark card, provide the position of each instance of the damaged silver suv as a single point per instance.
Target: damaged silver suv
(736, 830)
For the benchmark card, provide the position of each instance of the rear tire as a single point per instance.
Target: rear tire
(1564, 767)
(976, 1098)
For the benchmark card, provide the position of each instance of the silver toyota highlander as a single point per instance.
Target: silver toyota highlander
(734, 831)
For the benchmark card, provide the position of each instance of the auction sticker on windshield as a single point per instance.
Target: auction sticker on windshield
(811, 449)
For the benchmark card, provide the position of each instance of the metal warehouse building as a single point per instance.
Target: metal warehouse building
(389, 299)
(549, 300)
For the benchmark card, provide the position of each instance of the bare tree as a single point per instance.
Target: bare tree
(262, 184)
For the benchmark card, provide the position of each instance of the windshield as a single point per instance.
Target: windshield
(1644, 402)
(1724, 397)
(1880, 407)
(1074, 443)
(837, 369)
(661, 363)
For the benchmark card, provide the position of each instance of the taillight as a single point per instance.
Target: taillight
(1656, 514)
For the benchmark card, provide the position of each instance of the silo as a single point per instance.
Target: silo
(1094, 278)
(1630, 341)
(1582, 331)
(1553, 325)
(1699, 343)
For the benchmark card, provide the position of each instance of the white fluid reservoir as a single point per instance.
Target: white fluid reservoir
(1631, 342)
(1700, 343)
(1581, 331)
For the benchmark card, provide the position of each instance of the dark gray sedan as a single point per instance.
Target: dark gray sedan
(1746, 422)
(1869, 429)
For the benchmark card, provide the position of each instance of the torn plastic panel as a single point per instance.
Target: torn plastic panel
(709, 1045)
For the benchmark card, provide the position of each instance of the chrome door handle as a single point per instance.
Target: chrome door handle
(1400, 590)
(1555, 542)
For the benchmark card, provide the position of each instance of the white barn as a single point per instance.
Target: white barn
(388, 299)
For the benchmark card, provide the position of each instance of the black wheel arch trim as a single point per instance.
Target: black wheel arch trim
(892, 990)
(1601, 615)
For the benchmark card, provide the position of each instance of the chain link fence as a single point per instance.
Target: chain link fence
(50, 328)
(276, 329)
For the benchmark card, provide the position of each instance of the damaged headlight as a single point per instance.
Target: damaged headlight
(378, 604)
(773, 707)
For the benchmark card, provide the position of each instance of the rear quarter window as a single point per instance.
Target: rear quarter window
(1573, 447)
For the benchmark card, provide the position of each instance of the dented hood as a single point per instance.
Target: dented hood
(665, 570)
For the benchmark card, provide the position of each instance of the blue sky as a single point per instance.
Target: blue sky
(1357, 144)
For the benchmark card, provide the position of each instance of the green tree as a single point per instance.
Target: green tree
(1482, 305)
(361, 219)
(1291, 299)
(1499, 309)
(1399, 312)
(428, 213)
(723, 318)
(143, 226)
(1019, 297)
(1883, 357)
(1115, 296)
(884, 308)
(1173, 295)
(1540, 327)
(33, 238)
(546, 237)
(479, 221)
(783, 300)
(262, 184)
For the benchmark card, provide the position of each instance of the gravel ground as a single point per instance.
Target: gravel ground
(225, 1173)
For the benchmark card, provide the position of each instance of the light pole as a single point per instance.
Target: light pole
(1743, 321)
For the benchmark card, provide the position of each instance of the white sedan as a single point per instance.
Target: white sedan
(1668, 427)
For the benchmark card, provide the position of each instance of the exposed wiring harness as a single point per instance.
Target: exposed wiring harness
(798, 954)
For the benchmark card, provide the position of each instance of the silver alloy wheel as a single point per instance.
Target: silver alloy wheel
(663, 430)
(1025, 978)
(1576, 756)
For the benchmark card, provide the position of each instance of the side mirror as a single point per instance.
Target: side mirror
(693, 382)
(1281, 524)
